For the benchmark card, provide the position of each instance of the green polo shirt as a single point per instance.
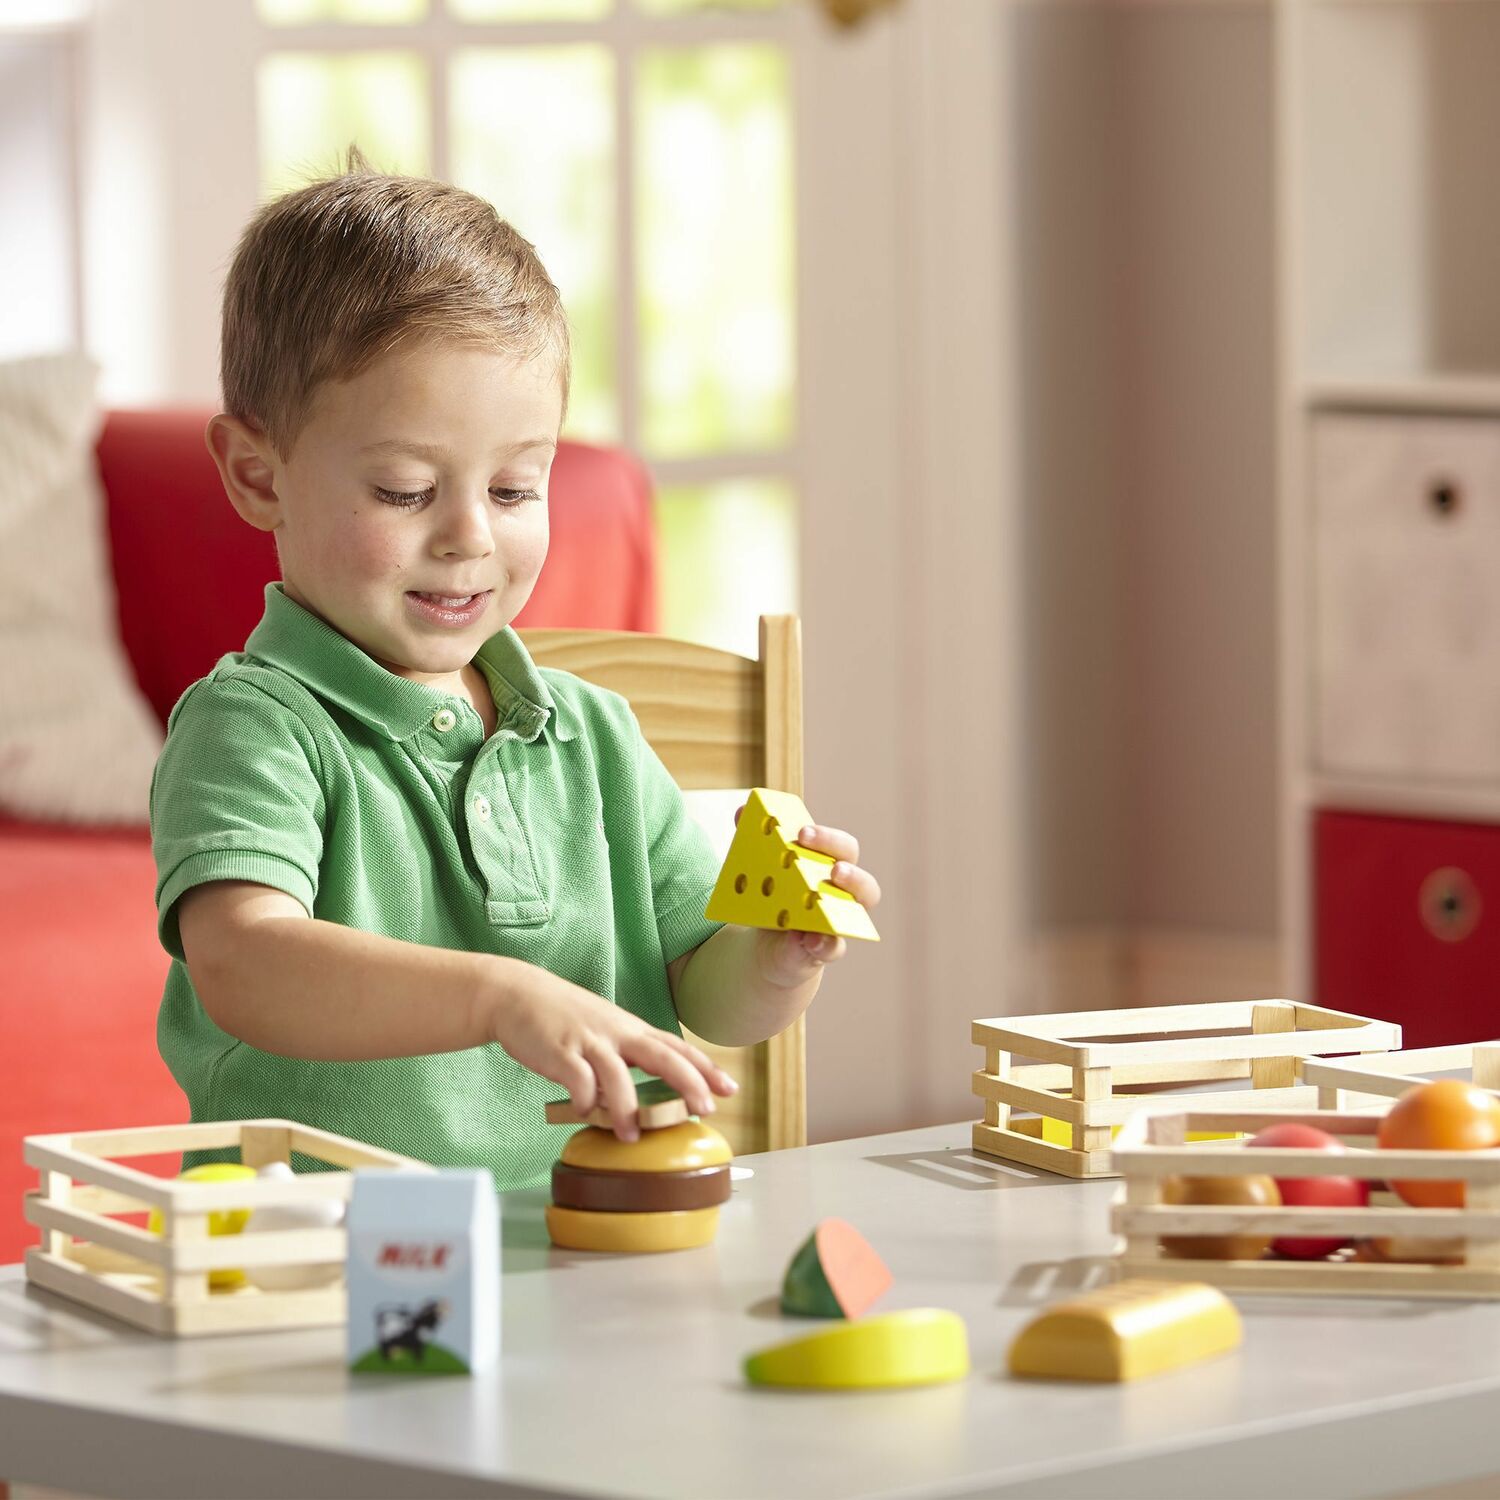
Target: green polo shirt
(301, 763)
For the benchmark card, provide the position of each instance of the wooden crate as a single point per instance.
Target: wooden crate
(1076, 1078)
(1152, 1146)
(1373, 1080)
(159, 1282)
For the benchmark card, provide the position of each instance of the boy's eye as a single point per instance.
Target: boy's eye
(409, 499)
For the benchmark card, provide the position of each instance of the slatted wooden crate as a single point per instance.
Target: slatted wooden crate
(1343, 1084)
(91, 1253)
(1086, 1056)
(1152, 1146)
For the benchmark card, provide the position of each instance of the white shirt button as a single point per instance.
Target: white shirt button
(482, 807)
(444, 720)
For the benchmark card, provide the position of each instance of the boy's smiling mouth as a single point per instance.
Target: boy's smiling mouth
(448, 609)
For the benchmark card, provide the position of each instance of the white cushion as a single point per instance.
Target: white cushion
(77, 738)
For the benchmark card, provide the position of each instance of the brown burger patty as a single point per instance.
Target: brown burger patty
(638, 1192)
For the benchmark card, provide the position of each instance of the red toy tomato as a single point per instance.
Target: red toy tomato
(1311, 1192)
(1444, 1116)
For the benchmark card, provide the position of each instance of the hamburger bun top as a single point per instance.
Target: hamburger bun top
(677, 1148)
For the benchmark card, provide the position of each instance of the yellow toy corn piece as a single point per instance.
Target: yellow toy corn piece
(919, 1346)
(1126, 1331)
(769, 879)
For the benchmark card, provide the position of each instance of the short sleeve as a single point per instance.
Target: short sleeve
(683, 864)
(236, 796)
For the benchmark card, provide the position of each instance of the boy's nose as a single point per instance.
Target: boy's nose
(463, 528)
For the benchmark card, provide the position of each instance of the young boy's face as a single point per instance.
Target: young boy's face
(414, 502)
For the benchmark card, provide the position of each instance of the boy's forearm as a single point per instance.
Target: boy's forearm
(302, 987)
(724, 997)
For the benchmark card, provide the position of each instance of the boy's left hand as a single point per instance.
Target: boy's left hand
(788, 959)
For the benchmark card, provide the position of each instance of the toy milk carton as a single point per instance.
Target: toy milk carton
(424, 1272)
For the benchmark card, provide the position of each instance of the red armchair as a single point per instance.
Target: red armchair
(83, 971)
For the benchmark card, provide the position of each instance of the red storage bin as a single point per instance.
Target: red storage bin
(1407, 924)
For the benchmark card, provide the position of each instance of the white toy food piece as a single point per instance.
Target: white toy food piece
(324, 1214)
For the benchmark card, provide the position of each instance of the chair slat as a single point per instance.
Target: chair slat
(718, 721)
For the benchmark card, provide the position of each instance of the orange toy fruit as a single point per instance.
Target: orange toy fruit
(1444, 1116)
(1253, 1190)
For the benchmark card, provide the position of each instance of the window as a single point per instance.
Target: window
(645, 148)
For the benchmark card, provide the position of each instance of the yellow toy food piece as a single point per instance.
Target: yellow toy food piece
(631, 1234)
(223, 1221)
(1060, 1133)
(769, 880)
(919, 1346)
(676, 1148)
(1126, 1331)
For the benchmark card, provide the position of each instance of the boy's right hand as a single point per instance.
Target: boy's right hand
(588, 1046)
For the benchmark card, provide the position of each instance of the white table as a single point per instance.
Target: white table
(621, 1376)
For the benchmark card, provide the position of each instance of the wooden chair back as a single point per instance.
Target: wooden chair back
(718, 721)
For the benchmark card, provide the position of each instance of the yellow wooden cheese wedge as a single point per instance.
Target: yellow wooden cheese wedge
(770, 880)
(919, 1346)
(1127, 1330)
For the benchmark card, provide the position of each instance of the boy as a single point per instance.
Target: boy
(406, 878)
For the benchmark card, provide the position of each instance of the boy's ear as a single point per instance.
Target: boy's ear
(245, 461)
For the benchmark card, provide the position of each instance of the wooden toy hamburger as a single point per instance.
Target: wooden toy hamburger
(661, 1192)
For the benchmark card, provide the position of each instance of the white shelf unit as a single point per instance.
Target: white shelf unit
(1388, 243)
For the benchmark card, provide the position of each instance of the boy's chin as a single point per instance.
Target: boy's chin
(421, 659)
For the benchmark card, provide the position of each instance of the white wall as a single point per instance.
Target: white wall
(168, 179)
(1197, 382)
(38, 291)
(1144, 153)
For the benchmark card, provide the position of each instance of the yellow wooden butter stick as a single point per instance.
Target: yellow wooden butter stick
(1126, 1331)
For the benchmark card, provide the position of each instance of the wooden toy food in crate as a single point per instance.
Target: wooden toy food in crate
(1085, 1056)
(1463, 1243)
(1369, 1080)
(91, 1253)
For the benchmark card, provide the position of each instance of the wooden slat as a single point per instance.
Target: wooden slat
(1024, 1044)
(140, 1244)
(1285, 1044)
(1107, 1109)
(341, 1151)
(1350, 1278)
(718, 721)
(137, 1308)
(1414, 1060)
(1139, 1019)
(1392, 1073)
(1010, 1145)
(699, 708)
(1279, 1072)
(141, 1186)
(1039, 1101)
(255, 1310)
(152, 1140)
(260, 1145)
(1206, 1070)
(97, 1200)
(1092, 1134)
(1321, 1017)
(283, 1247)
(781, 719)
(1350, 1223)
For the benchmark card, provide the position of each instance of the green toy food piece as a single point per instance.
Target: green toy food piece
(836, 1274)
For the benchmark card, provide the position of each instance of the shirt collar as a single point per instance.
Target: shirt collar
(332, 666)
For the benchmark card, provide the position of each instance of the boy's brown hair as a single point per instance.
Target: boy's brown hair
(333, 275)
